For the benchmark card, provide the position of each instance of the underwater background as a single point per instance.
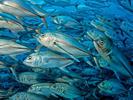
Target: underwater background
(66, 49)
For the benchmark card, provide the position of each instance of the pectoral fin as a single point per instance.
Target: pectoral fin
(69, 54)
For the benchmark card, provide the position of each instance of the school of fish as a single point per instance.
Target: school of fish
(66, 50)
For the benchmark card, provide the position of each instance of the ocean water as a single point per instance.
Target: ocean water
(66, 49)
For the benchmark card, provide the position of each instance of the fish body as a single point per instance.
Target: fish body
(21, 8)
(31, 78)
(65, 90)
(61, 89)
(9, 47)
(63, 43)
(26, 96)
(15, 11)
(117, 61)
(47, 59)
(66, 21)
(41, 89)
(13, 26)
(111, 87)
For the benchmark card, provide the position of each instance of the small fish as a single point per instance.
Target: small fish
(9, 47)
(31, 78)
(61, 89)
(13, 26)
(118, 63)
(63, 43)
(22, 8)
(7, 93)
(100, 26)
(65, 90)
(67, 21)
(41, 89)
(9, 18)
(47, 59)
(27, 96)
(112, 87)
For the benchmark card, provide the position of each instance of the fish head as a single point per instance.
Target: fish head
(31, 60)
(100, 39)
(112, 86)
(46, 39)
(105, 86)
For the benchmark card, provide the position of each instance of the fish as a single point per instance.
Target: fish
(32, 78)
(41, 89)
(47, 59)
(112, 87)
(100, 26)
(21, 8)
(61, 89)
(67, 22)
(10, 47)
(6, 93)
(63, 43)
(27, 95)
(11, 19)
(118, 63)
(13, 26)
(66, 90)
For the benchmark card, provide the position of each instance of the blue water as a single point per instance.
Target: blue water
(106, 74)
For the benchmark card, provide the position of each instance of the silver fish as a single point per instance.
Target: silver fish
(111, 87)
(27, 96)
(118, 63)
(67, 21)
(9, 47)
(31, 78)
(63, 43)
(13, 26)
(47, 59)
(61, 89)
(22, 8)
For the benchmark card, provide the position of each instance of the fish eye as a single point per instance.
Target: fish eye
(43, 35)
(29, 58)
(101, 42)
